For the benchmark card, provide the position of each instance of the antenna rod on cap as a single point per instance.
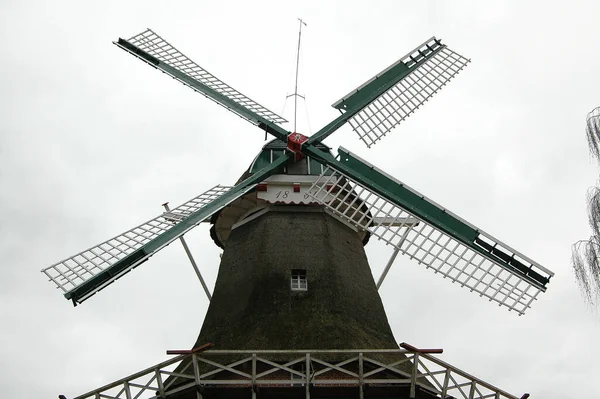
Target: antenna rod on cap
(297, 65)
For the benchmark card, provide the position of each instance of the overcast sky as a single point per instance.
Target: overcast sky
(93, 141)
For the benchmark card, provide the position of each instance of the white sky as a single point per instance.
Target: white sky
(92, 142)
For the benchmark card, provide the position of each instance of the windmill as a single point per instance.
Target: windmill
(294, 288)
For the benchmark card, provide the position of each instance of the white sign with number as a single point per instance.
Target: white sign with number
(278, 190)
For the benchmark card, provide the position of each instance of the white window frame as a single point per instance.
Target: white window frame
(298, 281)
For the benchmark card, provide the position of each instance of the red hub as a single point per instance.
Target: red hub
(294, 144)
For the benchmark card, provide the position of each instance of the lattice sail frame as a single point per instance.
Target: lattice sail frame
(77, 269)
(154, 45)
(396, 104)
(425, 243)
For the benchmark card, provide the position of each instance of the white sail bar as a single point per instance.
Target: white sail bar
(154, 45)
(423, 242)
(77, 269)
(399, 102)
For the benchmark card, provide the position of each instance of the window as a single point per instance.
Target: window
(298, 281)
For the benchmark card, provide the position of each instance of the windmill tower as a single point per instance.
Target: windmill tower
(295, 310)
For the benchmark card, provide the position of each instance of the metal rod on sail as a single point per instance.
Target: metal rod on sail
(297, 65)
(394, 254)
(191, 258)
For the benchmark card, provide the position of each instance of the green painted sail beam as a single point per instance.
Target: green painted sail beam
(396, 193)
(102, 279)
(377, 86)
(389, 77)
(275, 130)
(330, 128)
(421, 207)
(407, 199)
(207, 91)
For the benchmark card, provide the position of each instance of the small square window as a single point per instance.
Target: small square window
(298, 281)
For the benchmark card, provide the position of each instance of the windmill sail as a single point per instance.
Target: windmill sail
(89, 271)
(153, 49)
(441, 240)
(391, 96)
(85, 273)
